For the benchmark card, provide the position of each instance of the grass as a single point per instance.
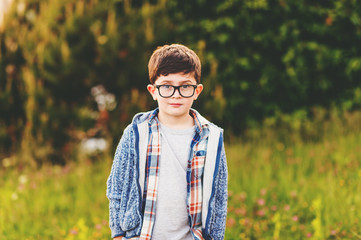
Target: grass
(309, 190)
(55, 202)
(279, 188)
(297, 188)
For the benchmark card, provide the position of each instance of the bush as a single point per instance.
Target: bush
(260, 58)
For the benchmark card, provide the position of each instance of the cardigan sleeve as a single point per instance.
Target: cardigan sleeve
(221, 197)
(116, 177)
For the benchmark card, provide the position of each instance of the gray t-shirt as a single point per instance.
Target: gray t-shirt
(171, 217)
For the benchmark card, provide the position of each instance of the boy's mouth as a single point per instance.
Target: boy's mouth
(175, 104)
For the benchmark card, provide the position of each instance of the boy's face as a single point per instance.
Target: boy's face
(175, 106)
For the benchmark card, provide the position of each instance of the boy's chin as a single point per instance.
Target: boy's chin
(175, 111)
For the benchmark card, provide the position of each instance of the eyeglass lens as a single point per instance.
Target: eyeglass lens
(169, 90)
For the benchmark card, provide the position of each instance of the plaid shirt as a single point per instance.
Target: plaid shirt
(194, 177)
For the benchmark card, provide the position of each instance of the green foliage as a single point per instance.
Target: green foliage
(260, 59)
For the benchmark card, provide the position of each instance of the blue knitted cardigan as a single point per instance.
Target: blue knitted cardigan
(125, 186)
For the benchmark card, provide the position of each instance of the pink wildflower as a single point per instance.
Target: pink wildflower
(74, 231)
(263, 191)
(261, 202)
(293, 194)
(241, 197)
(231, 222)
(274, 208)
(287, 207)
(241, 211)
(260, 213)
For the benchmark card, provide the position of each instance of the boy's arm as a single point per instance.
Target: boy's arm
(114, 181)
(221, 198)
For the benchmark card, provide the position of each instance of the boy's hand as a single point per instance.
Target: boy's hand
(118, 238)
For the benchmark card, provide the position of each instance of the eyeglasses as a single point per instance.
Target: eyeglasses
(167, 91)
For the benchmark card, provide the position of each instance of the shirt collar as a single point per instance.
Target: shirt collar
(153, 115)
(200, 122)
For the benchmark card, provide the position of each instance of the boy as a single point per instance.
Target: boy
(169, 174)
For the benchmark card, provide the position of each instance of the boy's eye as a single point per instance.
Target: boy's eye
(167, 86)
(185, 86)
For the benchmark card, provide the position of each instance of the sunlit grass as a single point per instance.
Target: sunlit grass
(296, 189)
(55, 202)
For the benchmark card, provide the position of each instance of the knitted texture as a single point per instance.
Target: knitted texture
(219, 202)
(123, 189)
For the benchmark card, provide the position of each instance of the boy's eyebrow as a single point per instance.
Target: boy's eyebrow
(181, 82)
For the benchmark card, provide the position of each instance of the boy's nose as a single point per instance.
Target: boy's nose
(177, 93)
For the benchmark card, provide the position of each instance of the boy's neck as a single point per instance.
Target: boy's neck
(181, 122)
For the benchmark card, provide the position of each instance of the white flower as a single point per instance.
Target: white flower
(21, 8)
(14, 196)
(92, 145)
(23, 179)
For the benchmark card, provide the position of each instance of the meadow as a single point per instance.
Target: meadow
(74, 70)
(299, 180)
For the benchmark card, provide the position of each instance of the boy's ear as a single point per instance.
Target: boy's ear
(151, 90)
(199, 89)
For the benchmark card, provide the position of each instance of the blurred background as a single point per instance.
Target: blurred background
(283, 78)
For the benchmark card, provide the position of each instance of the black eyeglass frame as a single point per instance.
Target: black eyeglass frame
(177, 88)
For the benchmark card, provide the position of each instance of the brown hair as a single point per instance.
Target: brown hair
(175, 58)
